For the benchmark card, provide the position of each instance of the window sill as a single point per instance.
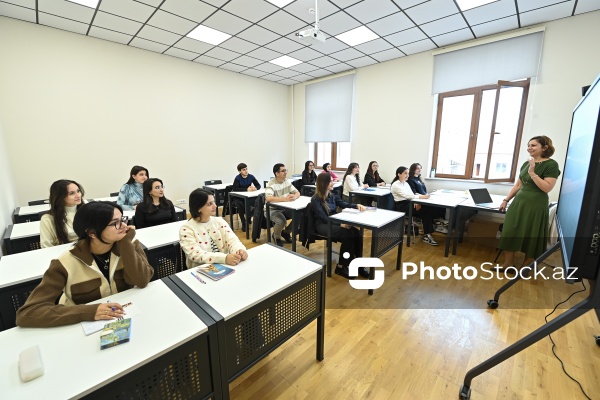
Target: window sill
(472, 181)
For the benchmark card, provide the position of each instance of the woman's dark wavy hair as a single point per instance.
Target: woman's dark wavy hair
(58, 193)
(134, 171)
(370, 171)
(322, 186)
(149, 202)
(545, 141)
(412, 169)
(198, 198)
(351, 166)
(399, 170)
(93, 218)
(306, 164)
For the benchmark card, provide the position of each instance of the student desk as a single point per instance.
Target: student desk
(311, 189)
(218, 190)
(19, 275)
(445, 199)
(297, 207)
(161, 244)
(388, 232)
(22, 237)
(29, 213)
(169, 355)
(271, 296)
(382, 195)
(249, 198)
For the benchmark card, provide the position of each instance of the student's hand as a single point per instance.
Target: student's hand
(381, 184)
(424, 196)
(360, 207)
(243, 254)
(251, 188)
(291, 197)
(417, 207)
(233, 259)
(365, 186)
(130, 228)
(344, 226)
(108, 311)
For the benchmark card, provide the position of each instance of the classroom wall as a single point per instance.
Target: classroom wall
(394, 111)
(87, 109)
(8, 194)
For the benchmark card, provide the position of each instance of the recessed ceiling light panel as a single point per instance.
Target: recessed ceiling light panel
(208, 35)
(357, 36)
(280, 3)
(285, 61)
(87, 3)
(465, 5)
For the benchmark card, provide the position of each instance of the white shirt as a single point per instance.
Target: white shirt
(402, 191)
(351, 184)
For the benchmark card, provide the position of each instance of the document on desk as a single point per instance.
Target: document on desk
(89, 327)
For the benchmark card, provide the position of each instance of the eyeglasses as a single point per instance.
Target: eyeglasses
(283, 170)
(119, 223)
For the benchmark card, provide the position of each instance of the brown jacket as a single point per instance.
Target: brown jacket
(76, 275)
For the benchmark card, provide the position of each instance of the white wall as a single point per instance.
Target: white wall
(8, 193)
(394, 106)
(86, 109)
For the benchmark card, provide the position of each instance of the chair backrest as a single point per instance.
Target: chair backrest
(38, 202)
(298, 184)
(113, 194)
(307, 190)
(213, 182)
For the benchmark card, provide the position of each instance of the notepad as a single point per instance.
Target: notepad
(89, 327)
(215, 271)
(115, 333)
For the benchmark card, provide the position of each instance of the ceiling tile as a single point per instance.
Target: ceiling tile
(171, 23)
(253, 72)
(112, 22)
(407, 36)
(284, 45)
(193, 45)
(348, 54)
(222, 54)
(319, 73)
(549, 13)
(106, 34)
(344, 3)
(374, 46)
(299, 8)
(67, 9)
(584, 6)
(404, 4)
(331, 45)
(391, 24)
(158, 35)
(338, 23)
(148, 45)
(264, 54)
(272, 77)
(209, 61)
(444, 25)
(282, 23)
(22, 13)
(370, 10)
(153, 3)
(305, 54)
(268, 67)
(489, 12)
(362, 62)
(288, 82)
(252, 10)
(225, 22)
(324, 61)
(528, 5)
(21, 3)
(453, 37)
(238, 45)
(493, 27)
(216, 3)
(62, 23)
(432, 10)
(417, 47)
(175, 52)
(302, 77)
(387, 55)
(339, 67)
(258, 35)
(304, 67)
(127, 9)
(194, 10)
(233, 67)
(248, 62)
(287, 73)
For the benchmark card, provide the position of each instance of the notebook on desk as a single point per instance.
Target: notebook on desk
(482, 198)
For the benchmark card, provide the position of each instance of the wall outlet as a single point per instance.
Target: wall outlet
(180, 201)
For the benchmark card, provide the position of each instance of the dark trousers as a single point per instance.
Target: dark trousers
(351, 239)
(426, 214)
(239, 205)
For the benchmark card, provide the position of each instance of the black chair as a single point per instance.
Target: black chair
(11, 299)
(307, 191)
(308, 232)
(213, 182)
(114, 194)
(402, 206)
(298, 184)
(259, 221)
(166, 260)
(38, 202)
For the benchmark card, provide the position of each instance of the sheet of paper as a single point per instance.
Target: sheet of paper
(89, 327)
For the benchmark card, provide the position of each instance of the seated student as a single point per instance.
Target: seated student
(372, 177)
(418, 187)
(207, 239)
(56, 227)
(244, 182)
(402, 192)
(105, 260)
(132, 192)
(309, 177)
(325, 203)
(352, 181)
(327, 170)
(156, 209)
(280, 189)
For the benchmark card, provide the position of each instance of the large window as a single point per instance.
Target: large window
(478, 132)
(337, 154)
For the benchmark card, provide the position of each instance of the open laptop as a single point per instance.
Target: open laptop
(482, 198)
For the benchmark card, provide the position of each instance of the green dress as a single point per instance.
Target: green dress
(526, 223)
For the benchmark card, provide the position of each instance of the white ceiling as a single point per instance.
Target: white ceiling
(262, 32)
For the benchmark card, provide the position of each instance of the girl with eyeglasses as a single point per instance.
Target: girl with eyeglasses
(132, 192)
(156, 209)
(105, 260)
(309, 176)
(56, 227)
(372, 177)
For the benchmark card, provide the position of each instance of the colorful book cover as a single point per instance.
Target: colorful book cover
(370, 208)
(215, 271)
(115, 333)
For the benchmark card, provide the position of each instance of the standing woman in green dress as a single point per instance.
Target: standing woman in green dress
(526, 223)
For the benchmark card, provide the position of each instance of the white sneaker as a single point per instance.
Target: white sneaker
(429, 240)
(440, 221)
(441, 229)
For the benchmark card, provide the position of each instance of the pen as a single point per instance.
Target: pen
(197, 277)
(113, 309)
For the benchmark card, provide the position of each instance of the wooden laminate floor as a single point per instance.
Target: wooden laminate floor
(416, 339)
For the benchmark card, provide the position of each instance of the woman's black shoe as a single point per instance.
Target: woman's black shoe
(343, 272)
(364, 272)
